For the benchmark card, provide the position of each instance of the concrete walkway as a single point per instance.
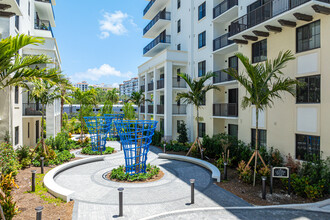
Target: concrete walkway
(97, 198)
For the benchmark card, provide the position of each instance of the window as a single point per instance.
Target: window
(179, 4)
(178, 123)
(201, 68)
(17, 22)
(16, 135)
(29, 8)
(262, 137)
(202, 39)
(259, 51)
(307, 145)
(178, 47)
(179, 26)
(309, 92)
(201, 11)
(201, 130)
(308, 37)
(16, 94)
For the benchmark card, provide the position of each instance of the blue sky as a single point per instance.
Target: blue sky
(100, 41)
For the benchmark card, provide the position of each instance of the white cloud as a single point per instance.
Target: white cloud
(115, 23)
(104, 71)
(115, 85)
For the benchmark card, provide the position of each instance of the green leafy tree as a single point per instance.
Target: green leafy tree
(129, 111)
(196, 96)
(263, 83)
(112, 96)
(138, 98)
(65, 88)
(107, 108)
(182, 130)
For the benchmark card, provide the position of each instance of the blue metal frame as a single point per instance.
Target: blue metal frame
(112, 132)
(135, 137)
(98, 128)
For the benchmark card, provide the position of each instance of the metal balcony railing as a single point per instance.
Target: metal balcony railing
(225, 110)
(263, 13)
(221, 42)
(142, 109)
(179, 109)
(179, 83)
(161, 15)
(160, 84)
(160, 109)
(223, 7)
(157, 40)
(32, 109)
(150, 86)
(151, 109)
(221, 76)
(148, 7)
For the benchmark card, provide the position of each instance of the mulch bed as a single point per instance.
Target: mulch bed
(253, 194)
(27, 202)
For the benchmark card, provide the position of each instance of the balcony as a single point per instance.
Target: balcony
(160, 84)
(142, 109)
(45, 10)
(222, 45)
(32, 109)
(226, 11)
(150, 109)
(160, 109)
(179, 109)
(226, 110)
(10, 8)
(43, 25)
(270, 16)
(153, 7)
(222, 77)
(157, 24)
(157, 45)
(143, 88)
(178, 83)
(150, 86)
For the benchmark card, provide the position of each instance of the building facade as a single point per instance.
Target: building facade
(199, 36)
(128, 87)
(20, 115)
(83, 86)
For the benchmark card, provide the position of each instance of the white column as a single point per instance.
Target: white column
(146, 94)
(168, 69)
(156, 98)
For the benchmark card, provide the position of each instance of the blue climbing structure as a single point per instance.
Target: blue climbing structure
(112, 132)
(98, 128)
(135, 137)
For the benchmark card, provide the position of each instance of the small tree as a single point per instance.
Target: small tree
(138, 98)
(112, 96)
(182, 130)
(263, 83)
(196, 97)
(107, 108)
(129, 111)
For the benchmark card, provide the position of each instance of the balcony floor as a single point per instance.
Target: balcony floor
(156, 49)
(227, 16)
(154, 31)
(227, 49)
(154, 9)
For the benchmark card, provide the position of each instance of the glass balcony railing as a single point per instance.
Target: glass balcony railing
(157, 40)
(161, 15)
(32, 109)
(43, 25)
(223, 7)
(221, 76)
(148, 7)
(179, 109)
(225, 110)
(221, 42)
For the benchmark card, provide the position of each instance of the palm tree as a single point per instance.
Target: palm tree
(14, 69)
(196, 96)
(64, 86)
(84, 99)
(263, 83)
(112, 96)
(138, 98)
(44, 92)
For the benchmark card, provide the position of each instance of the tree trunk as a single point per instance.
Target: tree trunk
(198, 143)
(42, 129)
(81, 123)
(62, 106)
(256, 147)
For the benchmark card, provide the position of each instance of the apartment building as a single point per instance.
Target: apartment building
(83, 86)
(199, 36)
(20, 115)
(128, 87)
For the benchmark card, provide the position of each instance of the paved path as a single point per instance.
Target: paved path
(97, 198)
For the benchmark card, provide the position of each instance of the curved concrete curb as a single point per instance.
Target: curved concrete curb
(215, 171)
(57, 190)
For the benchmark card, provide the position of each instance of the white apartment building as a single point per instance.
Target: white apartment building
(199, 36)
(83, 86)
(128, 87)
(20, 115)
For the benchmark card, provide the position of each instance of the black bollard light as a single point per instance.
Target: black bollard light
(264, 178)
(192, 184)
(42, 165)
(164, 148)
(33, 180)
(39, 212)
(121, 211)
(225, 170)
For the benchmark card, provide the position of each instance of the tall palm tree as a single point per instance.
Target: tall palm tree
(14, 69)
(138, 98)
(112, 96)
(263, 83)
(196, 96)
(84, 99)
(44, 92)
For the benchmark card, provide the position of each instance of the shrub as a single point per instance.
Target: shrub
(294, 165)
(119, 174)
(244, 172)
(157, 139)
(182, 130)
(264, 171)
(23, 156)
(176, 147)
(88, 150)
(8, 160)
(6, 200)
(61, 157)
